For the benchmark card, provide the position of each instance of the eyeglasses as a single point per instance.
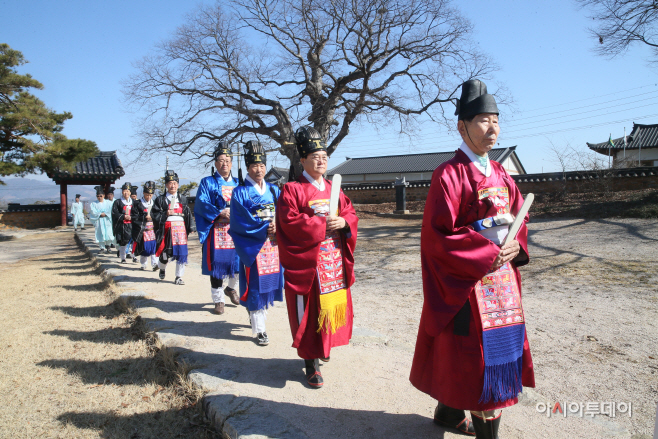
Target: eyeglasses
(224, 162)
(319, 158)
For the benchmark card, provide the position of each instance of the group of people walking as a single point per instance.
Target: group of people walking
(472, 351)
(275, 240)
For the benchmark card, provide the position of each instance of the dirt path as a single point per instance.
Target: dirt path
(70, 363)
(590, 301)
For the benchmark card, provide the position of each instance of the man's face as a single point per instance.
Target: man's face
(133, 196)
(257, 172)
(481, 133)
(147, 197)
(125, 193)
(100, 197)
(172, 186)
(223, 165)
(110, 196)
(77, 199)
(315, 164)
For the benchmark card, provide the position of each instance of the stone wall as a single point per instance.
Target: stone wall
(615, 180)
(30, 220)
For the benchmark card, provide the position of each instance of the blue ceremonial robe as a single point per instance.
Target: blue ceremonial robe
(213, 196)
(103, 224)
(249, 233)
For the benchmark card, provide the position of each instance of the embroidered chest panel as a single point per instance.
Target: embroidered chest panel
(227, 191)
(499, 196)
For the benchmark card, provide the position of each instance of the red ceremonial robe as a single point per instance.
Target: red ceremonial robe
(454, 258)
(299, 232)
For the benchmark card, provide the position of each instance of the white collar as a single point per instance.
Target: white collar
(319, 186)
(259, 189)
(228, 180)
(170, 196)
(127, 203)
(146, 203)
(475, 159)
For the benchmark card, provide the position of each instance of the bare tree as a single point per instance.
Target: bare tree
(266, 67)
(622, 23)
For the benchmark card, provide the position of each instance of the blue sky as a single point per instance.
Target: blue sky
(563, 92)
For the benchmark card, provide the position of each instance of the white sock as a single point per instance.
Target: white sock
(180, 269)
(258, 321)
(217, 295)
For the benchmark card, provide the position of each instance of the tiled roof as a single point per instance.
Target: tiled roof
(106, 167)
(274, 175)
(642, 171)
(389, 164)
(642, 136)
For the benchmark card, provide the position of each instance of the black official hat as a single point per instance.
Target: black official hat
(254, 153)
(133, 190)
(170, 175)
(100, 190)
(77, 195)
(222, 148)
(475, 100)
(149, 187)
(308, 141)
(126, 187)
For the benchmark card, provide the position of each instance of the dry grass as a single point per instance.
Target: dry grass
(76, 362)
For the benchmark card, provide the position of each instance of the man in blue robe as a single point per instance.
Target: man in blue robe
(253, 231)
(212, 214)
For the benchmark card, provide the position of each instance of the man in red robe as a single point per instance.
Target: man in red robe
(316, 248)
(472, 352)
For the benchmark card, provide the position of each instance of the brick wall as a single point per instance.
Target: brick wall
(30, 220)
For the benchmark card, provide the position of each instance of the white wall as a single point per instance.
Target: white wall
(632, 155)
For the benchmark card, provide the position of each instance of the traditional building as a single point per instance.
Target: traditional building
(102, 170)
(278, 176)
(413, 167)
(639, 149)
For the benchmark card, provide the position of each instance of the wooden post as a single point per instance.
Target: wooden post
(62, 200)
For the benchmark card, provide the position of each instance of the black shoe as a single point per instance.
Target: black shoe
(123, 261)
(155, 267)
(178, 281)
(453, 418)
(142, 268)
(118, 254)
(486, 429)
(134, 259)
(233, 295)
(112, 246)
(313, 375)
(262, 339)
(161, 275)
